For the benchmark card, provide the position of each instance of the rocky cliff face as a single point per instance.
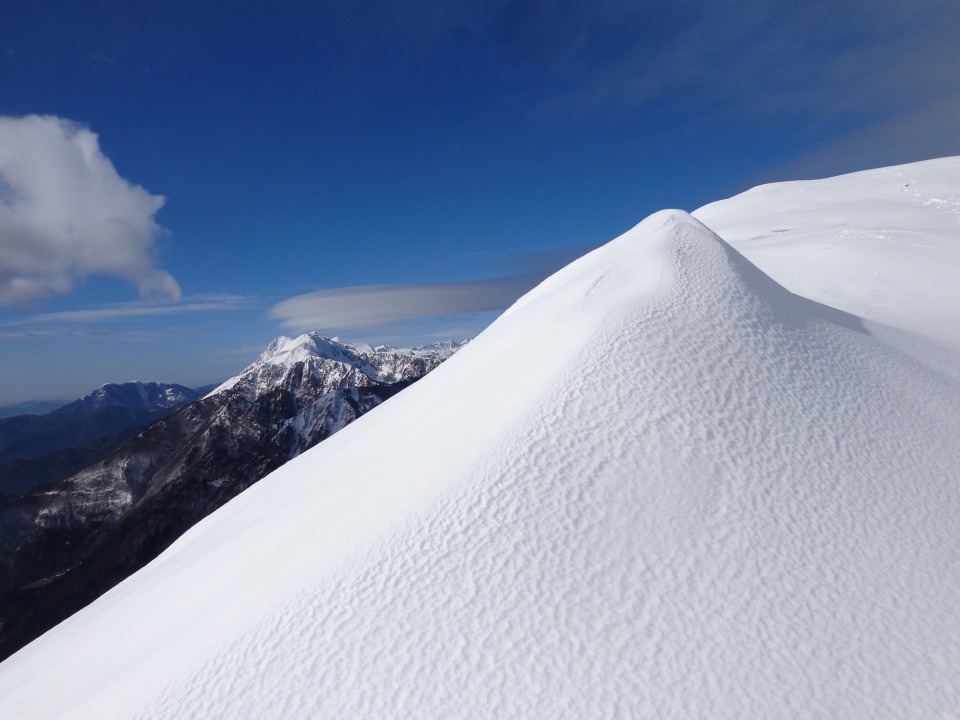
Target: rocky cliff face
(62, 547)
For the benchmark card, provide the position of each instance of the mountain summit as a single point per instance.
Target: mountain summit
(660, 485)
(336, 359)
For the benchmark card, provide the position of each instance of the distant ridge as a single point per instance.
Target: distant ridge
(80, 430)
(30, 407)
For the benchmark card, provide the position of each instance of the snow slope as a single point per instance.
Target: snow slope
(660, 485)
(883, 244)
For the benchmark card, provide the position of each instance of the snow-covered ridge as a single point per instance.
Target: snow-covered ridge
(696, 494)
(882, 244)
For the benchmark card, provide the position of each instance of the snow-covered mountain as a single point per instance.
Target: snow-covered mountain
(139, 395)
(333, 381)
(132, 395)
(660, 485)
(64, 545)
(108, 409)
(334, 359)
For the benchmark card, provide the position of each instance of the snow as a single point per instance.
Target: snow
(883, 244)
(661, 485)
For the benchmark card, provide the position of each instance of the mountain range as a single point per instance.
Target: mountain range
(709, 469)
(64, 544)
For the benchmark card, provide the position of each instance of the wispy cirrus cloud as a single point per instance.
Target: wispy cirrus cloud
(128, 311)
(757, 56)
(880, 73)
(864, 76)
(65, 214)
(922, 133)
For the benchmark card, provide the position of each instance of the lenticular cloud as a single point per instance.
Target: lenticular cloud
(65, 214)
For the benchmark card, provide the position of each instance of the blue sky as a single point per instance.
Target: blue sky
(205, 176)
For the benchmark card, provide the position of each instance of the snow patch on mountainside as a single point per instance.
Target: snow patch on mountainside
(660, 485)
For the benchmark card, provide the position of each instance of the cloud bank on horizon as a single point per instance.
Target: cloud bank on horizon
(66, 214)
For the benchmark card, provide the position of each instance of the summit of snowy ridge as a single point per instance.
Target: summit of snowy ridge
(708, 496)
(882, 244)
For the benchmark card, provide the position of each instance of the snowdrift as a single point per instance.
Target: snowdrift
(883, 244)
(661, 485)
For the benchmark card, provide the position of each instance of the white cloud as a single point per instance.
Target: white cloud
(66, 214)
(379, 306)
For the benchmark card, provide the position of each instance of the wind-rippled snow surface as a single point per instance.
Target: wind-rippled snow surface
(659, 486)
